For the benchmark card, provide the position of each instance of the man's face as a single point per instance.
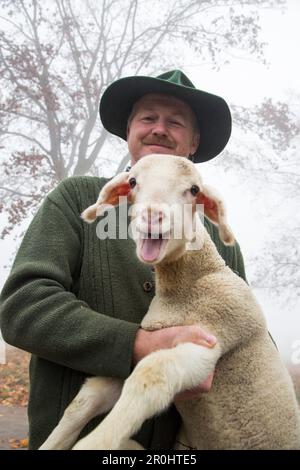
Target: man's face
(161, 124)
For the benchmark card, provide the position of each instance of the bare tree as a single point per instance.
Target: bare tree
(57, 57)
(277, 267)
(273, 173)
(280, 270)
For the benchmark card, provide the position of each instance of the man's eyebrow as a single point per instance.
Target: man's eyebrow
(149, 108)
(144, 108)
(178, 113)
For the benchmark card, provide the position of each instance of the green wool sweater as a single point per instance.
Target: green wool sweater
(75, 303)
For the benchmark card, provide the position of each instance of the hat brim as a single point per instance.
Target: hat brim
(212, 111)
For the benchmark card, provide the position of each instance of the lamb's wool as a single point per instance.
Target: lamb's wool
(252, 404)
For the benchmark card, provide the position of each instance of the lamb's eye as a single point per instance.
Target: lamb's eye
(132, 182)
(194, 189)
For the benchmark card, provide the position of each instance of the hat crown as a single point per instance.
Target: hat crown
(177, 77)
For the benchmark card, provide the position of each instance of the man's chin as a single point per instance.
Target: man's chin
(150, 150)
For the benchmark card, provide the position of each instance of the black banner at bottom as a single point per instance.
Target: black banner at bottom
(131, 459)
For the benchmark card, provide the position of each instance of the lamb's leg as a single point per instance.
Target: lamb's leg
(149, 390)
(97, 396)
(131, 445)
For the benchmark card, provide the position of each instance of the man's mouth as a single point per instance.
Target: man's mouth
(159, 145)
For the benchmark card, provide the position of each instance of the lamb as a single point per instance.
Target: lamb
(252, 404)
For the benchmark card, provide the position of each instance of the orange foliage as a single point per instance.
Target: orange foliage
(14, 379)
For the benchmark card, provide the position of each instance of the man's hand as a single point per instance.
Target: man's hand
(149, 341)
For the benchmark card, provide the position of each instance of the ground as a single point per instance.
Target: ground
(14, 427)
(14, 398)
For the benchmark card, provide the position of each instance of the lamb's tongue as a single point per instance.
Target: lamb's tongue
(150, 248)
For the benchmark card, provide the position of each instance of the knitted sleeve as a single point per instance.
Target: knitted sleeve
(40, 314)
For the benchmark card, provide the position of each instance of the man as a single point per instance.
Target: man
(76, 302)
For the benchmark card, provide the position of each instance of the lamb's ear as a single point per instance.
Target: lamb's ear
(109, 196)
(214, 209)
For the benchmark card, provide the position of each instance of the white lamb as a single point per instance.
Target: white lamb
(252, 403)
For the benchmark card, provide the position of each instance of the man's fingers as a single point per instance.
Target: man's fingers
(195, 334)
(203, 337)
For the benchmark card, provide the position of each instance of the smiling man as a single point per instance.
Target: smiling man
(76, 302)
(161, 124)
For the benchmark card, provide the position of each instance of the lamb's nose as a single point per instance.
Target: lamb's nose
(152, 217)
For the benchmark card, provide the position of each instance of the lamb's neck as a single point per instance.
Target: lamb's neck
(183, 272)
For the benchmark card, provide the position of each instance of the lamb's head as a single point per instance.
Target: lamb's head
(164, 191)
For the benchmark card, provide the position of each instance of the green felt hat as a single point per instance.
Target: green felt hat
(212, 112)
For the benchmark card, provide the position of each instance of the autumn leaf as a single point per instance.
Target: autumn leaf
(18, 443)
(14, 379)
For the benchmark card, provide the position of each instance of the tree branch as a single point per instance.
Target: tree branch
(3, 188)
(30, 139)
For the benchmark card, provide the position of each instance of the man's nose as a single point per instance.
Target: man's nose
(159, 128)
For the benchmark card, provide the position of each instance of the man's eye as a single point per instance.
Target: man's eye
(148, 118)
(176, 123)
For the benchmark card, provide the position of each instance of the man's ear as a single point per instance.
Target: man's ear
(109, 196)
(196, 142)
(214, 209)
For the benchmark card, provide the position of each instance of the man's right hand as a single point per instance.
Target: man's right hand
(149, 341)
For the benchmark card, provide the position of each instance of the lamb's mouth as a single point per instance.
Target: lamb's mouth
(151, 247)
